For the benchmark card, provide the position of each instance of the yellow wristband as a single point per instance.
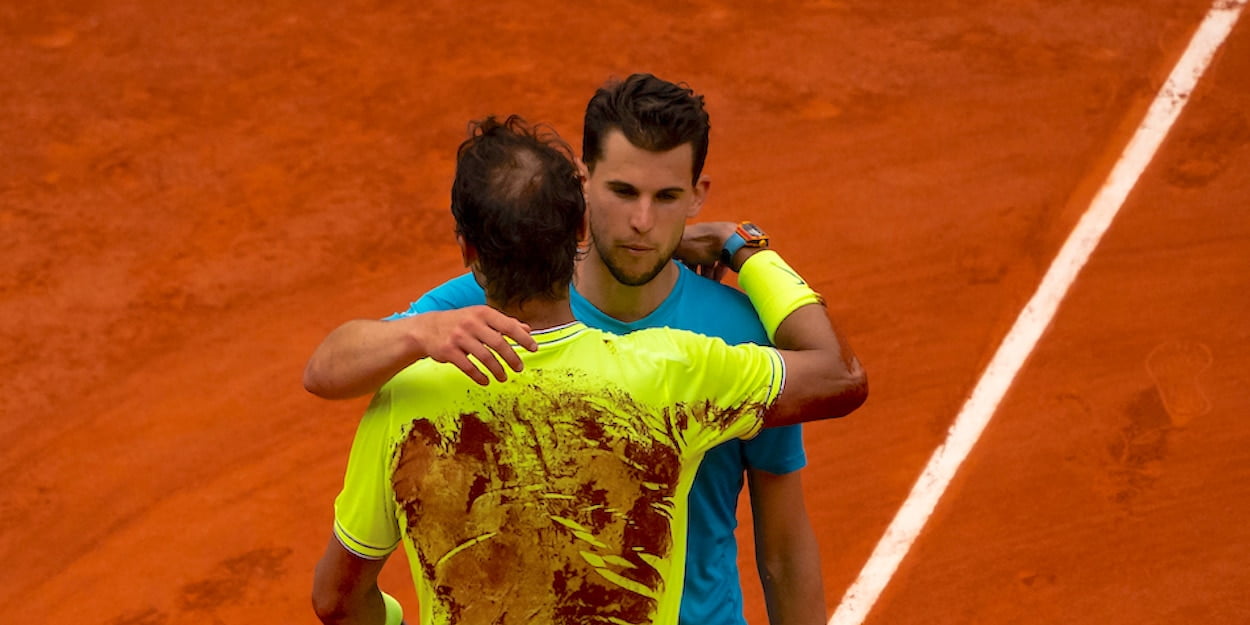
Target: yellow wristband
(774, 288)
(394, 611)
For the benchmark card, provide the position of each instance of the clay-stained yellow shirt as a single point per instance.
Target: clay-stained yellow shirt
(558, 496)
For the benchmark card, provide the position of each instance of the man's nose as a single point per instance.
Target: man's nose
(642, 218)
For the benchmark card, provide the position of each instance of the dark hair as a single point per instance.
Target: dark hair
(518, 200)
(654, 115)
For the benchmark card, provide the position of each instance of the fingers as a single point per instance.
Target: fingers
(484, 345)
(504, 326)
(469, 368)
(715, 271)
(519, 332)
(494, 340)
(475, 341)
(718, 273)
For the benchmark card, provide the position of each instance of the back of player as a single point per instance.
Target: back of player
(560, 495)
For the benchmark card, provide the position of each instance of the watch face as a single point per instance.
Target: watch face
(753, 231)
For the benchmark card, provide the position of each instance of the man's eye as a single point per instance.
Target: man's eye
(666, 197)
(626, 192)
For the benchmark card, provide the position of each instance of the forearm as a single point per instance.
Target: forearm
(786, 552)
(808, 329)
(790, 574)
(828, 379)
(358, 357)
(777, 292)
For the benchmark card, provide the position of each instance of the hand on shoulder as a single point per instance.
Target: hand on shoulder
(451, 336)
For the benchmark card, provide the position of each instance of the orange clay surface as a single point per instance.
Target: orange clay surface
(193, 194)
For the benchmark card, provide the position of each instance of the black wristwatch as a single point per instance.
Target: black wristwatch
(746, 235)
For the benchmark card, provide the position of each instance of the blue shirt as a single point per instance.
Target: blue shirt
(712, 593)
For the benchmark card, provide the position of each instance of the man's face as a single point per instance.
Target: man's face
(639, 202)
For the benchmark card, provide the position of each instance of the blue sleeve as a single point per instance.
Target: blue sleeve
(460, 292)
(776, 450)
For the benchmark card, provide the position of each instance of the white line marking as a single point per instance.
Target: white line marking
(1036, 316)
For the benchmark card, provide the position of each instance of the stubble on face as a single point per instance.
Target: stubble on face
(624, 176)
(613, 259)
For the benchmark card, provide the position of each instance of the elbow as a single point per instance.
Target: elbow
(771, 566)
(315, 382)
(335, 600)
(310, 381)
(328, 606)
(859, 394)
(327, 602)
(852, 393)
(767, 571)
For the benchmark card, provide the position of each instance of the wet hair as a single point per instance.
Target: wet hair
(517, 199)
(654, 114)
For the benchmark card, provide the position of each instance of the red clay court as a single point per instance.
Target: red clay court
(192, 195)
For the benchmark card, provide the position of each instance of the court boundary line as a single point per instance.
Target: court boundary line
(1037, 315)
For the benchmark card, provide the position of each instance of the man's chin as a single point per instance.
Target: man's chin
(635, 277)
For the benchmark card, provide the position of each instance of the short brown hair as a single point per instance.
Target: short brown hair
(517, 199)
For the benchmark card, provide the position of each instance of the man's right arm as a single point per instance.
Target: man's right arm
(358, 357)
(823, 379)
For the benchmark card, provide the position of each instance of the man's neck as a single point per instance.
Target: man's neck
(539, 314)
(621, 302)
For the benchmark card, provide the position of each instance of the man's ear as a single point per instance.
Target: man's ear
(468, 253)
(583, 174)
(701, 189)
(583, 232)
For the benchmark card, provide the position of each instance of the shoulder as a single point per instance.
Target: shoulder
(691, 350)
(459, 292)
(694, 285)
(663, 338)
(709, 307)
(661, 351)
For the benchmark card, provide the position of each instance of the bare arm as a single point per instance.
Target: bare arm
(786, 552)
(358, 357)
(824, 379)
(345, 588)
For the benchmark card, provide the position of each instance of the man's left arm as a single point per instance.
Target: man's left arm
(786, 552)
(345, 590)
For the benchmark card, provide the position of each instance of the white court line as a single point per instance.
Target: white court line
(1036, 316)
